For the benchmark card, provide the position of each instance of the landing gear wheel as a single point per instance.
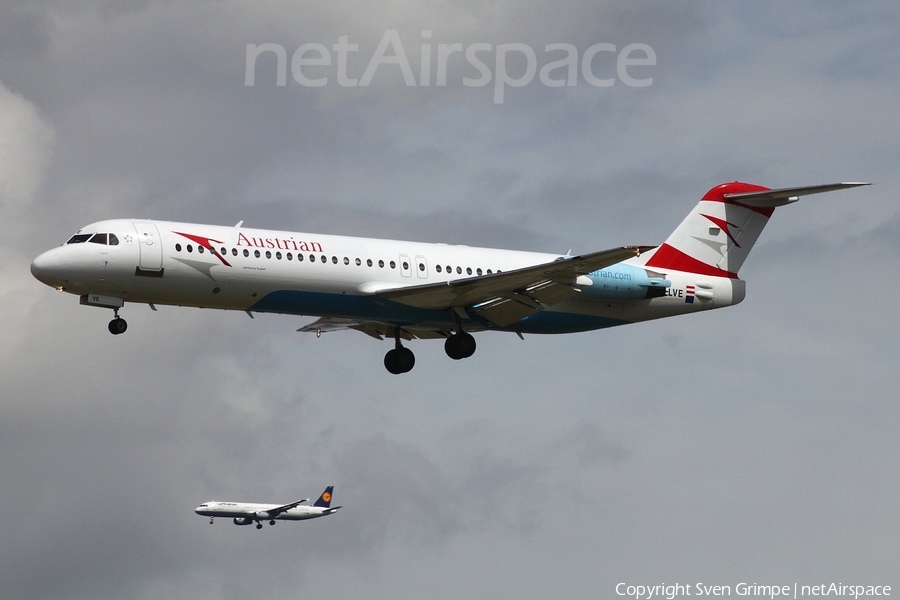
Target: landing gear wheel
(259, 525)
(460, 345)
(271, 522)
(399, 360)
(117, 326)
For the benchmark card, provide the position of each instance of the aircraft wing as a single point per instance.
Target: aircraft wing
(274, 512)
(504, 298)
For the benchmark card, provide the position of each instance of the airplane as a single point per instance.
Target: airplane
(402, 290)
(243, 513)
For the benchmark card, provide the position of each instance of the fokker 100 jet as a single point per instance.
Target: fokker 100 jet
(403, 290)
(246, 514)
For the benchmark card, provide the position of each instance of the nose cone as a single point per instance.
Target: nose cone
(48, 268)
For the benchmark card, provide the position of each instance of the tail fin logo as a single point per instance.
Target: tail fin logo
(326, 497)
(724, 226)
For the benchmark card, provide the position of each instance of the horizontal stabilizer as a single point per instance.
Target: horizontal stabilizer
(780, 197)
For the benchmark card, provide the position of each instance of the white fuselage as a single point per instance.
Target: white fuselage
(159, 262)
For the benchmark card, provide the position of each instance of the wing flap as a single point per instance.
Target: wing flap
(506, 311)
(375, 329)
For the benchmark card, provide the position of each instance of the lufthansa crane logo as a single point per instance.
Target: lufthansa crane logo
(326, 497)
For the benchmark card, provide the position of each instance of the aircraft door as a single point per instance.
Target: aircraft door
(421, 267)
(150, 246)
(405, 266)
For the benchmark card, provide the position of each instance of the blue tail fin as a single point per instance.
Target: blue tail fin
(325, 499)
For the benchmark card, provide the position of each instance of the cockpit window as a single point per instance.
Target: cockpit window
(106, 239)
(79, 238)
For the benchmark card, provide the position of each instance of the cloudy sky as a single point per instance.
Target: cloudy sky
(754, 444)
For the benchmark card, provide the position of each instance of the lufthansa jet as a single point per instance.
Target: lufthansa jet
(404, 290)
(243, 513)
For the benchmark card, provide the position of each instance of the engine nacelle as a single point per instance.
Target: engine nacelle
(243, 521)
(624, 282)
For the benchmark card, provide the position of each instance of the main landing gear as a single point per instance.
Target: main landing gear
(460, 345)
(400, 359)
(118, 324)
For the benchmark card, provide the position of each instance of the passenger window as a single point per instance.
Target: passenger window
(200, 249)
(98, 238)
(224, 251)
(369, 261)
(289, 256)
(246, 253)
(421, 266)
(478, 272)
(393, 265)
(256, 253)
(177, 247)
(268, 254)
(324, 259)
(189, 248)
(358, 262)
(380, 264)
(346, 261)
(234, 252)
(438, 268)
(468, 270)
(278, 255)
(459, 270)
(299, 258)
